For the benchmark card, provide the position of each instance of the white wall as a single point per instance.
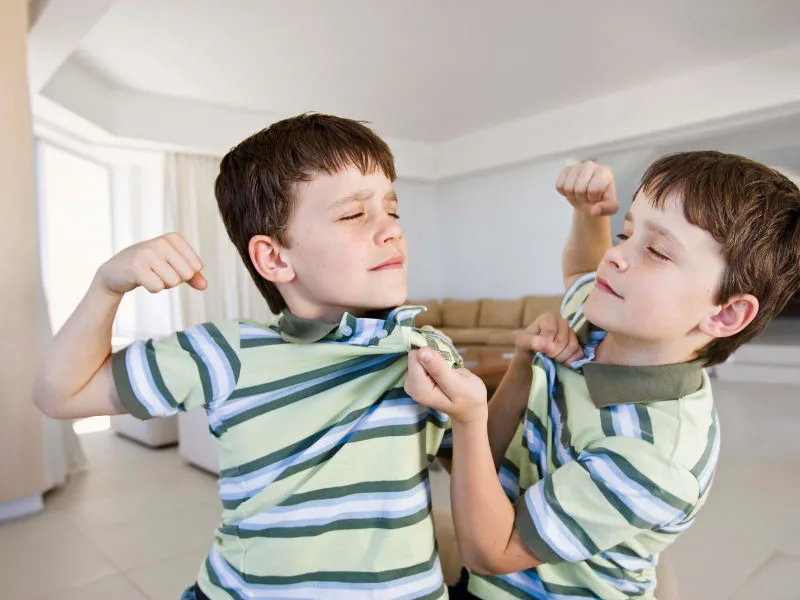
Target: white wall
(502, 232)
(418, 216)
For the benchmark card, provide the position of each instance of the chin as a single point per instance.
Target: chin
(597, 315)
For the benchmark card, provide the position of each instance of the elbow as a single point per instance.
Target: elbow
(43, 400)
(483, 563)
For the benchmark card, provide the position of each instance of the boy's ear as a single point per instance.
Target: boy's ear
(732, 317)
(267, 256)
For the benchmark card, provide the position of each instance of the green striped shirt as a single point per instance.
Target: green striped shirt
(610, 464)
(323, 456)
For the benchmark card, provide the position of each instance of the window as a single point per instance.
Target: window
(75, 226)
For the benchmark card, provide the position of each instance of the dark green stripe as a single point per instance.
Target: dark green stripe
(541, 430)
(550, 588)
(510, 467)
(710, 439)
(260, 463)
(212, 577)
(278, 384)
(633, 473)
(341, 576)
(566, 434)
(621, 507)
(571, 524)
(441, 592)
(385, 523)
(645, 424)
(361, 436)
(530, 535)
(155, 373)
(615, 572)
(273, 457)
(202, 369)
(260, 342)
(318, 388)
(568, 590)
(607, 422)
(227, 350)
(124, 389)
(626, 551)
(378, 432)
(364, 487)
(505, 586)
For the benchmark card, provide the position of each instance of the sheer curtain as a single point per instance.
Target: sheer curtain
(191, 210)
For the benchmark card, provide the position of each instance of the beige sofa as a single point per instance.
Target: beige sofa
(485, 329)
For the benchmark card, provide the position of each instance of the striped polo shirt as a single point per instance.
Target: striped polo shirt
(609, 465)
(323, 456)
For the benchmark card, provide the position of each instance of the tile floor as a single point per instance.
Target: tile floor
(137, 523)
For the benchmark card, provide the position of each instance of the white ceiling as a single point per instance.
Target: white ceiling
(426, 70)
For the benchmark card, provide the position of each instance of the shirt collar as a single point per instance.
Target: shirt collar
(307, 331)
(610, 385)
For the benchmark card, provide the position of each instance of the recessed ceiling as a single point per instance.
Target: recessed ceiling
(425, 70)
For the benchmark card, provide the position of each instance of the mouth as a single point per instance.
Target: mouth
(397, 262)
(602, 285)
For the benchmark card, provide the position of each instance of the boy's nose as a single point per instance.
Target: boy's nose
(615, 256)
(389, 230)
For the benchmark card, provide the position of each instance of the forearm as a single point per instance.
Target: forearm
(483, 515)
(589, 239)
(507, 407)
(77, 353)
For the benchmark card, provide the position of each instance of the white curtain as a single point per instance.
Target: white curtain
(191, 210)
(63, 454)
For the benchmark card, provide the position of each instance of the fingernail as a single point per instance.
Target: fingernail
(425, 355)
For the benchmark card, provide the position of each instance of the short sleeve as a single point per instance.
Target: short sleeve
(613, 491)
(198, 367)
(575, 297)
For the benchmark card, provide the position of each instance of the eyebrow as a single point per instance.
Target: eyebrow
(362, 195)
(658, 229)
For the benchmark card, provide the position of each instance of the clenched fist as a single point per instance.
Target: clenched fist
(158, 264)
(589, 187)
(552, 336)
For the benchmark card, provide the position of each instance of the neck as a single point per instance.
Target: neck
(622, 350)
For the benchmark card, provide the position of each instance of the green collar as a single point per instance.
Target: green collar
(304, 331)
(610, 385)
(307, 331)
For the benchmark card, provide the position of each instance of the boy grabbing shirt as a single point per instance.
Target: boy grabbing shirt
(323, 456)
(603, 464)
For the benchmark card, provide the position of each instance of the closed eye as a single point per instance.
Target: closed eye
(352, 217)
(657, 254)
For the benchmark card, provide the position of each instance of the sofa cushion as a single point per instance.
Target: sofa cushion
(501, 313)
(461, 335)
(502, 337)
(432, 316)
(536, 305)
(462, 314)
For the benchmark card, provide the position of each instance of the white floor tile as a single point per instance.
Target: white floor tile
(33, 568)
(168, 578)
(776, 580)
(791, 545)
(116, 587)
(153, 538)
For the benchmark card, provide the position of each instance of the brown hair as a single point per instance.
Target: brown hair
(255, 185)
(754, 213)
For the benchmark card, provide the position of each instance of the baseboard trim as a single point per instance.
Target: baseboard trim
(21, 507)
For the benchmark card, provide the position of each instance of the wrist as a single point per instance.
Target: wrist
(100, 289)
(476, 421)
